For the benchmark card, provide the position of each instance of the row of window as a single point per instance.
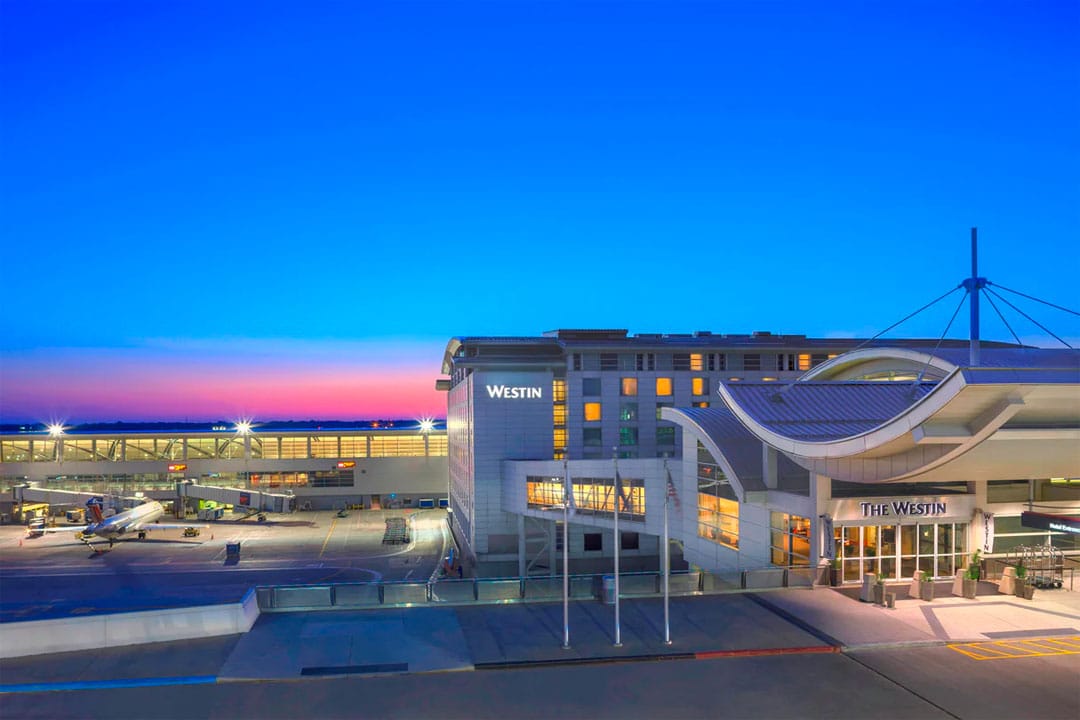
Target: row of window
(628, 436)
(628, 386)
(698, 362)
(221, 448)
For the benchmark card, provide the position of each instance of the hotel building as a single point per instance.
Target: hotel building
(770, 450)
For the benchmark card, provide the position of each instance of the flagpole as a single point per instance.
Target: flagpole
(568, 488)
(666, 558)
(615, 462)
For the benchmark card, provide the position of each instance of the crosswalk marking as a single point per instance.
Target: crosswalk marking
(1019, 648)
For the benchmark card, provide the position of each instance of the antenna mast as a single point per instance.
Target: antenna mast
(974, 286)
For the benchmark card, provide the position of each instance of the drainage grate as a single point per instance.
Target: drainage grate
(356, 669)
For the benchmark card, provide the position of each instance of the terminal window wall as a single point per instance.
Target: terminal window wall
(439, 445)
(293, 448)
(15, 451)
(325, 446)
(789, 539)
(197, 448)
(44, 450)
(592, 496)
(354, 446)
(280, 479)
(718, 508)
(398, 446)
(896, 552)
(86, 450)
(230, 448)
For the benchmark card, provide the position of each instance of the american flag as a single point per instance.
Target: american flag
(671, 491)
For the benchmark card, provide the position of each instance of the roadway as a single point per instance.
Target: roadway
(57, 575)
(909, 683)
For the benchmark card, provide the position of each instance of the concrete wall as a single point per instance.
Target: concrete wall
(39, 637)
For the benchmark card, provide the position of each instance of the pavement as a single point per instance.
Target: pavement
(478, 637)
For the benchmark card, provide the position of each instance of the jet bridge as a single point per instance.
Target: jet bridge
(31, 493)
(254, 500)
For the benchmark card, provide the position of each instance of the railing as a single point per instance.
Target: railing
(546, 588)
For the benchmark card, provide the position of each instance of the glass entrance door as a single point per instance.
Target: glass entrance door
(935, 548)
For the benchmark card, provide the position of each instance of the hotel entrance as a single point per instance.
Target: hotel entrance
(897, 551)
(894, 536)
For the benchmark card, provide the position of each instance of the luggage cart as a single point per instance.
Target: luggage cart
(1047, 567)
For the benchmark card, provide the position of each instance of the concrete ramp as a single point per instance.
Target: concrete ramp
(291, 645)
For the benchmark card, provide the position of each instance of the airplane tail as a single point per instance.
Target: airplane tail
(94, 506)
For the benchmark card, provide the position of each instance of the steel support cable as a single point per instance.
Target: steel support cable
(956, 312)
(900, 322)
(776, 396)
(1006, 322)
(1029, 297)
(1041, 327)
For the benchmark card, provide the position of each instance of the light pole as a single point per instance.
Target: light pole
(568, 490)
(618, 628)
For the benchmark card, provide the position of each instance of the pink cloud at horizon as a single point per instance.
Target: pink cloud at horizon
(112, 385)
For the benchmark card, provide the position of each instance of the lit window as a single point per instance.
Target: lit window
(629, 386)
(804, 361)
(592, 411)
(696, 362)
(702, 404)
(663, 386)
(700, 386)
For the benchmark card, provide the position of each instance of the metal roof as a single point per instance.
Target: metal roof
(814, 411)
(742, 449)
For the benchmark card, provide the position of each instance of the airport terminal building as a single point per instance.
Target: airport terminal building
(769, 451)
(325, 466)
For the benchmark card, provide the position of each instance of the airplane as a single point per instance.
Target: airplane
(138, 519)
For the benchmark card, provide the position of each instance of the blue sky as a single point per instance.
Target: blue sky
(185, 184)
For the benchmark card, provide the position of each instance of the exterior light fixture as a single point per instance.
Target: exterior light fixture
(426, 425)
(56, 429)
(243, 427)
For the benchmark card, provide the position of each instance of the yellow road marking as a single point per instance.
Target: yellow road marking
(1016, 648)
(328, 534)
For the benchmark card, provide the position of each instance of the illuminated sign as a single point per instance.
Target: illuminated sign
(179, 467)
(346, 464)
(1055, 523)
(506, 392)
(901, 508)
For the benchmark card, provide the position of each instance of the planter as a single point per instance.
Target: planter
(879, 594)
(1029, 592)
(834, 577)
(970, 588)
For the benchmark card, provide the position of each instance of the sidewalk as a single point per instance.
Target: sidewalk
(436, 639)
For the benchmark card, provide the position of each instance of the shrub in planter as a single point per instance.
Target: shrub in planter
(834, 573)
(879, 590)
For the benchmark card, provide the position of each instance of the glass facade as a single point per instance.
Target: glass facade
(896, 552)
(592, 496)
(718, 508)
(789, 540)
(141, 448)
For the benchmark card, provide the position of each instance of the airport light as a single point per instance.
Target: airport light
(243, 427)
(426, 425)
(56, 429)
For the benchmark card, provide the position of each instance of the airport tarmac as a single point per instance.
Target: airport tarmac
(57, 575)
